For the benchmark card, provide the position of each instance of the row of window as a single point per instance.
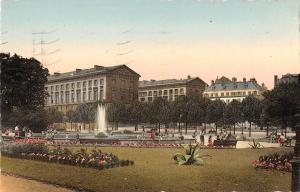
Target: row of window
(227, 94)
(69, 97)
(170, 98)
(79, 84)
(122, 82)
(161, 92)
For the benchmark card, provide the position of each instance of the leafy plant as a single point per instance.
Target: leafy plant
(191, 156)
(256, 145)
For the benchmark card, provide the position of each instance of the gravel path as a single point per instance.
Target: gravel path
(15, 184)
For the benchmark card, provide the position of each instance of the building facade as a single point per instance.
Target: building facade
(288, 78)
(228, 90)
(116, 83)
(170, 89)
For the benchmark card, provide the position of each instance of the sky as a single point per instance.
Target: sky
(159, 39)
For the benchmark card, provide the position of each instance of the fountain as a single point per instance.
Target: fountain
(101, 124)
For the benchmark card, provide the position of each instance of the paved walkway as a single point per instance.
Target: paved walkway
(14, 184)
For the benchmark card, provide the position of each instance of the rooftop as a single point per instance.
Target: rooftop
(235, 85)
(166, 82)
(83, 72)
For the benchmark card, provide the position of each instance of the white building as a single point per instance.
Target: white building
(228, 90)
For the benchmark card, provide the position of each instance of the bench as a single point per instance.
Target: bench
(225, 143)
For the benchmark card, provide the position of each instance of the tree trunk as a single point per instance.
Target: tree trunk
(267, 130)
(158, 127)
(179, 128)
(216, 129)
(250, 130)
(71, 125)
(136, 127)
(242, 128)
(83, 126)
(285, 130)
(230, 129)
(186, 126)
(234, 128)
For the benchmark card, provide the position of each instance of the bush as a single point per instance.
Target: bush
(274, 161)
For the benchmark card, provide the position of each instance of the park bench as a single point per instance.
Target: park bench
(225, 143)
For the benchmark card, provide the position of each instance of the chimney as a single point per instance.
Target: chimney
(152, 80)
(56, 73)
(275, 80)
(234, 79)
(78, 70)
(212, 81)
(244, 80)
(189, 77)
(253, 80)
(98, 67)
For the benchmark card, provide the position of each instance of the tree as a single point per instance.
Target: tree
(72, 117)
(280, 104)
(252, 109)
(178, 111)
(232, 113)
(215, 112)
(86, 113)
(116, 113)
(55, 116)
(22, 83)
(136, 113)
(195, 112)
(161, 111)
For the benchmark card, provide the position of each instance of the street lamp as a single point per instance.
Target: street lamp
(296, 158)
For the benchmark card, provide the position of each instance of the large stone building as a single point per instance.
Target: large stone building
(115, 83)
(228, 90)
(170, 89)
(288, 78)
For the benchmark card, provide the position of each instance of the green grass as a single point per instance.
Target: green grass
(154, 170)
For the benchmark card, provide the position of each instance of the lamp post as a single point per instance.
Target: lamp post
(296, 158)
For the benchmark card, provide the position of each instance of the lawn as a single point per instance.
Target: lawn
(154, 170)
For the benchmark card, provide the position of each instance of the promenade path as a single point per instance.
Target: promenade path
(16, 184)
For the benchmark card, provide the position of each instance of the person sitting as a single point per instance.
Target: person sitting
(210, 141)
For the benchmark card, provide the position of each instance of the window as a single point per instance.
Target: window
(227, 93)
(78, 84)
(222, 94)
(84, 84)
(72, 97)
(73, 85)
(154, 93)
(113, 81)
(90, 95)
(78, 95)
(255, 92)
(131, 83)
(83, 96)
(101, 94)
(150, 93)
(96, 94)
(176, 91)
(95, 82)
(123, 95)
(249, 92)
(61, 87)
(113, 93)
(90, 83)
(170, 91)
(216, 94)
(244, 93)
(211, 94)
(56, 88)
(51, 88)
(56, 98)
(62, 97)
(149, 98)
(181, 91)
(159, 92)
(67, 86)
(67, 96)
(123, 83)
(101, 81)
(165, 92)
(142, 99)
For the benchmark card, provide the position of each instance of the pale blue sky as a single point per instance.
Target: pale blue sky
(90, 25)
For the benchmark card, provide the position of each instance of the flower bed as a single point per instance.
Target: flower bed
(40, 152)
(30, 140)
(274, 161)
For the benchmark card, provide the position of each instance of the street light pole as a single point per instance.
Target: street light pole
(296, 159)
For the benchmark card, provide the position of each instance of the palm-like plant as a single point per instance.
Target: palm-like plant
(191, 156)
